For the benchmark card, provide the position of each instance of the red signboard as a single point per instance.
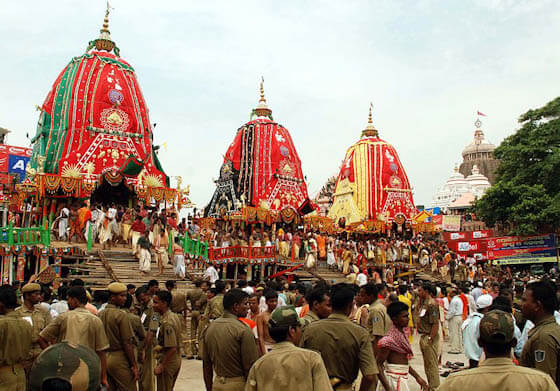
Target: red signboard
(521, 242)
(13, 160)
(467, 246)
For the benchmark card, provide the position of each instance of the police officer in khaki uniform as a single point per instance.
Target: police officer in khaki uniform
(287, 367)
(37, 316)
(497, 371)
(542, 349)
(319, 306)
(428, 328)
(344, 346)
(179, 306)
(122, 368)
(137, 329)
(150, 321)
(378, 322)
(80, 327)
(214, 309)
(197, 299)
(229, 348)
(16, 335)
(169, 342)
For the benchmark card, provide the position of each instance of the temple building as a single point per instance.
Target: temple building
(324, 198)
(480, 153)
(459, 192)
(261, 168)
(94, 135)
(372, 184)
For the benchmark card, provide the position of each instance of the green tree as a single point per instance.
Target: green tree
(526, 196)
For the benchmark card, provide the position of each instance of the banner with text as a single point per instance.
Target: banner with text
(451, 223)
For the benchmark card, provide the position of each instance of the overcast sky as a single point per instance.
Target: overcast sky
(427, 66)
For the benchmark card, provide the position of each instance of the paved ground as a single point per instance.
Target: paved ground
(190, 377)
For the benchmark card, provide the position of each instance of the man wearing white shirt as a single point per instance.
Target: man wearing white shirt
(60, 305)
(361, 279)
(455, 320)
(211, 274)
(477, 291)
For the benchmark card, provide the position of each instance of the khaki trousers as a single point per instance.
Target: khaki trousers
(147, 377)
(119, 373)
(455, 334)
(166, 381)
(195, 320)
(430, 353)
(12, 377)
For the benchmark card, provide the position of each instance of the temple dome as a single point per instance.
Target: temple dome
(372, 183)
(478, 182)
(261, 168)
(95, 121)
(458, 187)
(479, 142)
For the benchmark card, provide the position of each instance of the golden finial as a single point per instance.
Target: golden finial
(104, 42)
(262, 109)
(262, 99)
(370, 130)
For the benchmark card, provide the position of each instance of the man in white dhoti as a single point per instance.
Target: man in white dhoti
(144, 255)
(104, 229)
(63, 223)
(211, 274)
(395, 352)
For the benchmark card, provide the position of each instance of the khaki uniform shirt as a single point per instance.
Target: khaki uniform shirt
(309, 318)
(39, 318)
(542, 348)
(16, 335)
(137, 328)
(344, 346)
(178, 302)
(498, 374)
(288, 368)
(118, 327)
(428, 315)
(378, 322)
(230, 345)
(215, 307)
(78, 326)
(149, 318)
(169, 333)
(197, 298)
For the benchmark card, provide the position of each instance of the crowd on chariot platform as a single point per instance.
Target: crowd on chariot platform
(284, 335)
(280, 333)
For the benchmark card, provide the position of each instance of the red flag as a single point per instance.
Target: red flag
(479, 113)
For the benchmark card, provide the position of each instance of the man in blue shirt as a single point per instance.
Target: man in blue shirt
(471, 330)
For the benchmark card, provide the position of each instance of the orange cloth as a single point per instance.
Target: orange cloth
(465, 305)
(321, 244)
(304, 310)
(84, 214)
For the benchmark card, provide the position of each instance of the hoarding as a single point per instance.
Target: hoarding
(13, 160)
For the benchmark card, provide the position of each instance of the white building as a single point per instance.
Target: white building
(457, 186)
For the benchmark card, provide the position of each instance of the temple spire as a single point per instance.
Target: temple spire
(262, 109)
(104, 32)
(370, 130)
(104, 42)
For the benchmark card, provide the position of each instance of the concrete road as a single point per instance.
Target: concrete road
(190, 377)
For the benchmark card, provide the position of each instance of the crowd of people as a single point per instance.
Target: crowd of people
(277, 335)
